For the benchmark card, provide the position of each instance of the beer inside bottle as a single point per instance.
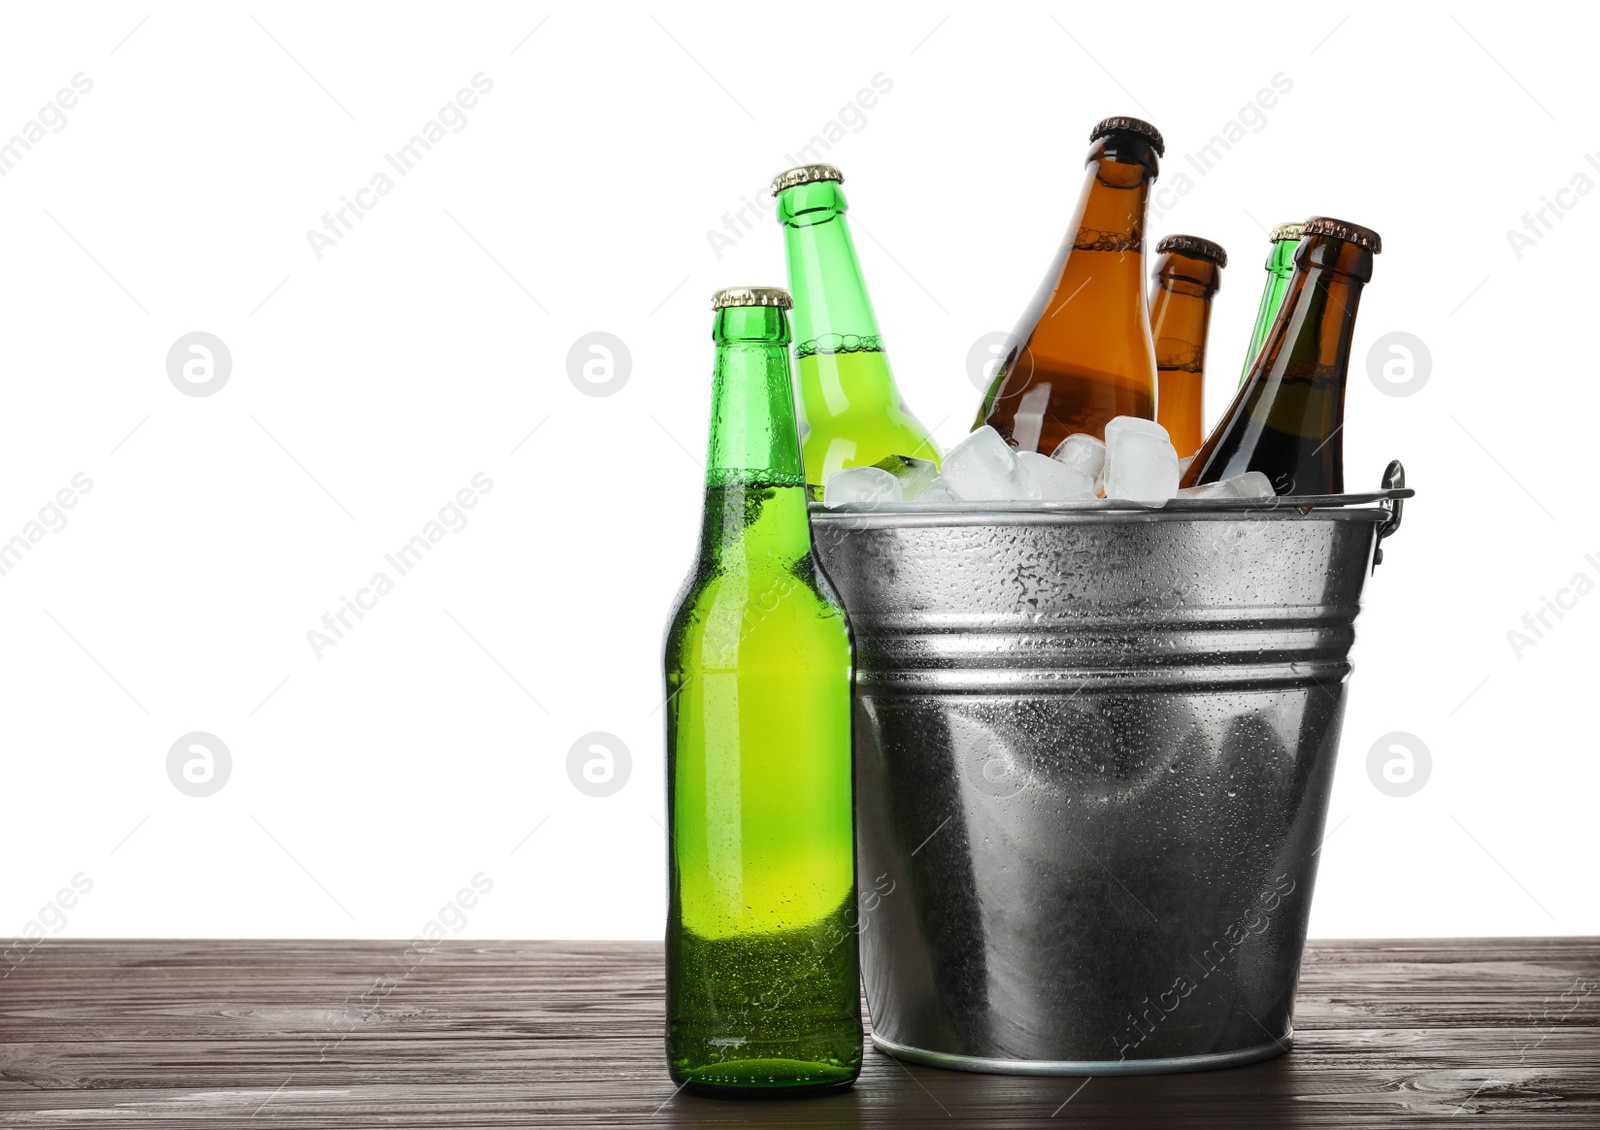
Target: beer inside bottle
(1188, 272)
(1288, 419)
(763, 989)
(1280, 266)
(853, 414)
(1082, 352)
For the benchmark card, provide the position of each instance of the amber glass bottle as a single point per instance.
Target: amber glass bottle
(1288, 419)
(1082, 352)
(1187, 273)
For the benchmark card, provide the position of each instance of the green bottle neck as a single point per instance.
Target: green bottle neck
(1280, 269)
(1280, 260)
(755, 508)
(753, 433)
(832, 311)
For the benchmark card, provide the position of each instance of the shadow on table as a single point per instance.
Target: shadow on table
(890, 1093)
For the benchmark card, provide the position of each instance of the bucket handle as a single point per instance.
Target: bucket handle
(1394, 478)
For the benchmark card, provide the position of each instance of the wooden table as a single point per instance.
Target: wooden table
(333, 1034)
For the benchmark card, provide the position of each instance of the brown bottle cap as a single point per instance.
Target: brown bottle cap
(805, 174)
(1285, 231)
(1194, 245)
(1350, 233)
(1130, 125)
(752, 296)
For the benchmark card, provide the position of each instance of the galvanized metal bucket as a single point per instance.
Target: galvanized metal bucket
(1094, 746)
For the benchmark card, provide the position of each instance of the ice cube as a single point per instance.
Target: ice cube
(1056, 482)
(936, 495)
(1141, 463)
(1251, 484)
(1142, 426)
(1206, 490)
(915, 475)
(1183, 465)
(869, 486)
(983, 468)
(1082, 452)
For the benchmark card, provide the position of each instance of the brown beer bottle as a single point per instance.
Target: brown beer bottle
(1188, 272)
(1287, 418)
(1082, 352)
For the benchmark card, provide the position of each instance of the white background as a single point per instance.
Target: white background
(369, 386)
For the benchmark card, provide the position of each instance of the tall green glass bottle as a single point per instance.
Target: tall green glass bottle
(1280, 267)
(763, 980)
(854, 415)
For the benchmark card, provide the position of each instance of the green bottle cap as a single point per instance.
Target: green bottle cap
(1285, 231)
(805, 174)
(1339, 229)
(752, 296)
(1194, 245)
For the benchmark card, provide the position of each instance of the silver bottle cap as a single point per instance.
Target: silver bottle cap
(805, 174)
(752, 296)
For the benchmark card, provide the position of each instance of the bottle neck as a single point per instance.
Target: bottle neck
(755, 498)
(1092, 307)
(1309, 342)
(1280, 269)
(1180, 310)
(832, 311)
(1115, 197)
(753, 434)
(1280, 260)
(1081, 353)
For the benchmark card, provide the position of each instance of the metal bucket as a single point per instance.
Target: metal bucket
(1094, 747)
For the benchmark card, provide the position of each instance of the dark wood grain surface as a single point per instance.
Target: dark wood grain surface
(1496, 1033)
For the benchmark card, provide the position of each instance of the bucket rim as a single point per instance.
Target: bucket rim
(1349, 507)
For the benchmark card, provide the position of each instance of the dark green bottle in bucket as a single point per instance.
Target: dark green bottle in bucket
(1286, 422)
(763, 980)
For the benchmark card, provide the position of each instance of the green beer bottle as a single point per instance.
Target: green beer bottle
(763, 977)
(1280, 266)
(853, 413)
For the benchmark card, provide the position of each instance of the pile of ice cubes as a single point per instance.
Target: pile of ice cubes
(1135, 463)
